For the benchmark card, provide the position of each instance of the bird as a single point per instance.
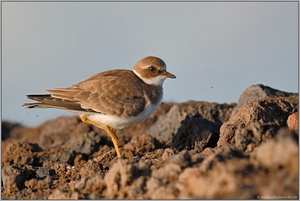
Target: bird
(113, 99)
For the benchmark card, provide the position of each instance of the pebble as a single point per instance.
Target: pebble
(293, 122)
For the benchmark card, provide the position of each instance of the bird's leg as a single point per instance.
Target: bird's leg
(110, 131)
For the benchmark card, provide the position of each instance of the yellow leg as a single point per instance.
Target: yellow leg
(110, 131)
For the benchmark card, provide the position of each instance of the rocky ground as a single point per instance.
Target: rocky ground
(191, 150)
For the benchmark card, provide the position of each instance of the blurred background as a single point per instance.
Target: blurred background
(216, 49)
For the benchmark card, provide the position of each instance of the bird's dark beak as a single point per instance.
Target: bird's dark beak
(169, 75)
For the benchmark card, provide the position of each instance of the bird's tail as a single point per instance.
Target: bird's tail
(47, 101)
(42, 101)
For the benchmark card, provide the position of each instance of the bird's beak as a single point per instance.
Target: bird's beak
(169, 75)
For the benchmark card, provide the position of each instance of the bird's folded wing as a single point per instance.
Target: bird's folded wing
(109, 95)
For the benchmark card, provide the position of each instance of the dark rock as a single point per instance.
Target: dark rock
(259, 91)
(167, 125)
(65, 156)
(196, 133)
(43, 172)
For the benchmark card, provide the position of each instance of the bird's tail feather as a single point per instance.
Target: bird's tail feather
(47, 101)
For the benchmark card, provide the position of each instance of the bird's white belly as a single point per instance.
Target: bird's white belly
(117, 122)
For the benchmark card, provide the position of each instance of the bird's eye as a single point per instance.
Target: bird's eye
(152, 69)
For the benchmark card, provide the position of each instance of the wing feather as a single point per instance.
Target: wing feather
(116, 92)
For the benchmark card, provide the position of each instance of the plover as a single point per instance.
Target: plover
(114, 99)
